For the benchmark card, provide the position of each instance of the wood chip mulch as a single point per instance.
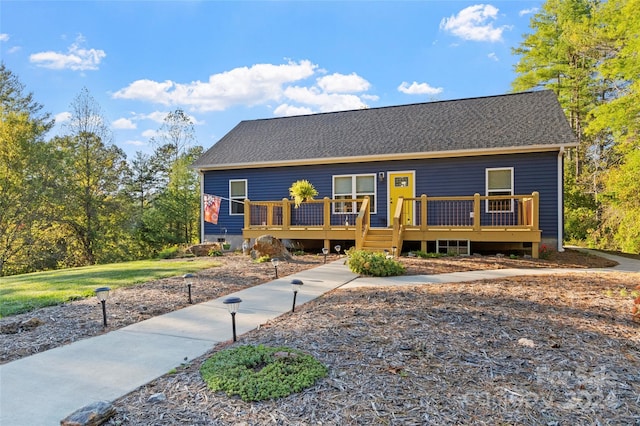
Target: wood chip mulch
(548, 349)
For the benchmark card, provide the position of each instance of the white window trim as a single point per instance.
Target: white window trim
(486, 186)
(231, 198)
(373, 209)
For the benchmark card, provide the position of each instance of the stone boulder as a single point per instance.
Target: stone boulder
(91, 415)
(268, 245)
(204, 249)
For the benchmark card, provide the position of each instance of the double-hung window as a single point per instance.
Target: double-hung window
(237, 195)
(352, 187)
(500, 182)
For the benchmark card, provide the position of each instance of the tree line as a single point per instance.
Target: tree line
(587, 51)
(76, 200)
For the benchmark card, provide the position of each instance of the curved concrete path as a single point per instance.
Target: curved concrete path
(45, 388)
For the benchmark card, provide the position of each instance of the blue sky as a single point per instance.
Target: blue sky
(227, 61)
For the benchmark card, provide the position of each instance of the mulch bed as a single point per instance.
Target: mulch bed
(549, 349)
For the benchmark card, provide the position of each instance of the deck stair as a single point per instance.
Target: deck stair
(378, 239)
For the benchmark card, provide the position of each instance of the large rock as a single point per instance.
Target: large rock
(204, 249)
(268, 245)
(91, 415)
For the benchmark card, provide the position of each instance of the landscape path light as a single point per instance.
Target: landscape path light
(233, 303)
(245, 247)
(188, 281)
(275, 262)
(338, 248)
(296, 284)
(394, 248)
(325, 252)
(102, 294)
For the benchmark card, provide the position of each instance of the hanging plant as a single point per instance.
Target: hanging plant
(302, 190)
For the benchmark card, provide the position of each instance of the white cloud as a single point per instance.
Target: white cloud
(4, 37)
(474, 23)
(324, 102)
(150, 133)
(340, 83)
(76, 58)
(493, 56)
(528, 11)
(260, 84)
(287, 110)
(123, 123)
(135, 143)
(241, 86)
(62, 117)
(416, 88)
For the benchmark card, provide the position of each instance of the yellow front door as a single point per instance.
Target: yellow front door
(401, 184)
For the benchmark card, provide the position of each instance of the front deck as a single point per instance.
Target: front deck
(476, 218)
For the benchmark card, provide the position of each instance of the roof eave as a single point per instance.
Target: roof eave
(388, 157)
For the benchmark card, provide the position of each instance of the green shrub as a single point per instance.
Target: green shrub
(169, 252)
(256, 373)
(263, 259)
(214, 253)
(432, 255)
(373, 264)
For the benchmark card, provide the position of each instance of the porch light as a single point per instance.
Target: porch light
(102, 294)
(337, 249)
(325, 252)
(296, 284)
(233, 304)
(188, 282)
(275, 262)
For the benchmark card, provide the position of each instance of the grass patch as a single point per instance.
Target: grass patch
(26, 292)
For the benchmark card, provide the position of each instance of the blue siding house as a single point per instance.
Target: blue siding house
(460, 175)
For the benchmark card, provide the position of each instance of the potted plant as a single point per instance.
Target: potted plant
(226, 245)
(302, 190)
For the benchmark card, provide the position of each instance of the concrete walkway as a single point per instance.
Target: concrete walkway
(43, 389)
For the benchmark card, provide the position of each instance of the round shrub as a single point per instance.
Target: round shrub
(256, 373)
(373, 264)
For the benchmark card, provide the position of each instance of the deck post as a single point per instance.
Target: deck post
(423, 213)
(247, 213)
(326, 225)
(286, 214)
(535, 216)
(535, 246)
(476, 212)
(270, 214)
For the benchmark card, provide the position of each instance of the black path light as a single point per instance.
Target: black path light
(325, 252)
(102, 294)
(296, 285)
(233, 303)
(275, 262)
(188, 281)
(337, 249)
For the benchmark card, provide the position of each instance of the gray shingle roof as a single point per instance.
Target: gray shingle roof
(507, 122)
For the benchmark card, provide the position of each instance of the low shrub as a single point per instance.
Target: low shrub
(373, 264)
(545, 252)
(431, 255)
(256, 373)
(169, 252)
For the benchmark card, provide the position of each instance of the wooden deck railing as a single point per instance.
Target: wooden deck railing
(421, 218)
(474, 212)
(325, 214)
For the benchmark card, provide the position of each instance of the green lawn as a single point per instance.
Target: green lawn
(23, 293)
